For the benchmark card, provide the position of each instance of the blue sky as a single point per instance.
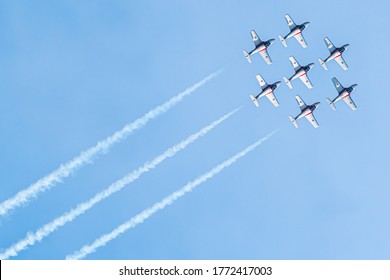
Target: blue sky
(73, 73)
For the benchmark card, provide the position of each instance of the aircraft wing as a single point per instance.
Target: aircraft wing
(300, 39)
(310, 117)
(255, 38)
(261, 81)
(265, 55)
(340, 60)
(290, 22)
(329, 44)
(301, 103)
(337, 85)
(271, 97)
(350, 102)
(305, 79)
(294, 63)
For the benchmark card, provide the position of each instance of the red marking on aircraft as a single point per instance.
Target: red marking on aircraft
(303, 74)
(346, 95)
(337, 55)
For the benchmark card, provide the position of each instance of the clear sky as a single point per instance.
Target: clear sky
(74, 72)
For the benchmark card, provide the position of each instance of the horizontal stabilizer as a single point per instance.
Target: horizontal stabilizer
(254, 100)
(293, 121)
(288, 82)
(331, 104)
(283, 41)
(247, 56)
(323, 64)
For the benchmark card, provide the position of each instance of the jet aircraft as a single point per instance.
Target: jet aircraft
(335, 53)
(344, 94)
(260, 47)
(266, 90)
(306, 111)
(295, 30)
(300, 72)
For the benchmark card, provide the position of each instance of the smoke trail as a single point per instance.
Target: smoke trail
(80, 209)
(141, 217)
(88, 155)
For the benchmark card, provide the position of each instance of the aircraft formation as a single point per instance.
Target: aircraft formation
(301, 72)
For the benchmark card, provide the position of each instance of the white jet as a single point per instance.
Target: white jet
(344, 94)
(335, 53)
(306, 111)
(295, 30)
(260, 47)
(267, 90)
(300, 72)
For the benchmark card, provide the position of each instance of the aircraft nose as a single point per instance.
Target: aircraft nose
(271, 41)
(278, 83)
(306, 24)
(354, 85)
(311, 65)
(346, 46)
(317, 104)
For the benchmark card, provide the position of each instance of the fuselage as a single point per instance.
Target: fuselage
(269, 89)
(308, 110)
(262, 46)
(337, 52)
(345, 93)
(302, 71)
(297, 30)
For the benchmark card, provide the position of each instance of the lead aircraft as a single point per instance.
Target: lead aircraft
(300, 72)
(296, 31)
(267, 90)
(344, 94)
(260, 47)
(306, 111)
(335, 53)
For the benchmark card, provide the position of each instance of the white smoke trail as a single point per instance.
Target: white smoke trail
(88, 155)
(80, 209)
(141, 217)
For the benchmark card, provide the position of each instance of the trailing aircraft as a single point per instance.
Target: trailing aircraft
(335, 53)
(300, 72)
(306, 111)
(344, 94)
(296, 31)
(266, 90)
(260, 47)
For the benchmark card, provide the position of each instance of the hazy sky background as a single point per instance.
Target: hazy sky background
(74, 72)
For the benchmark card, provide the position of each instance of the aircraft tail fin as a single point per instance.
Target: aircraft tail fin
(283, 41)
(247, 56)
(323, 64)
(331, 104)
(294, 122)
(254, 100)
(288, 82)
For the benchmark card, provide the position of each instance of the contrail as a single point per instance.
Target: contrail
(141, 217)
(45, 183)
(47, 229)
